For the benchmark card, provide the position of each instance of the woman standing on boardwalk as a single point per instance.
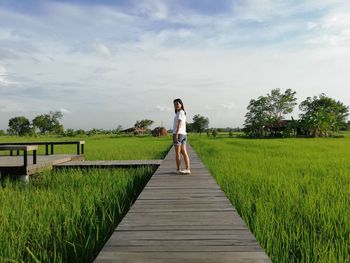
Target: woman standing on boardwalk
(180, 137)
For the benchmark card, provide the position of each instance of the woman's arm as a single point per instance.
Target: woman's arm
(179, 124)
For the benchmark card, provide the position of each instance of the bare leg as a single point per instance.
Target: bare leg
(178, 156)
(185, 155)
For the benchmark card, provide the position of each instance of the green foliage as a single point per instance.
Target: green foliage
(49, 123)
(267, 110)
(70, 133)
(65, 216)
(347, 126)
(322, 115)
(189, 127)
(118, 130)
(258, 117)
(143, 124)
(281, 104)
(292, 193)
(200, 123)
(19, 126)
(103, 147)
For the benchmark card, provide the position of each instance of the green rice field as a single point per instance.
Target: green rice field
(67, 216)
(294, 194)
(107, 147)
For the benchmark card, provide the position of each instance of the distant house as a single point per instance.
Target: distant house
(279, 127)
(135, 131)
(159, 131)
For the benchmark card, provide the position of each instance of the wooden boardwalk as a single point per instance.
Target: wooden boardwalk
(13, 165)
(182, 218)
(108, 164)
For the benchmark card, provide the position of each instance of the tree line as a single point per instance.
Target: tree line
(320, 116)
(50, 123)
(44, 124)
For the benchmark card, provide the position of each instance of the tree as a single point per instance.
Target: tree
(19, 126)
(281, 104)
(49, 122)
(200, 123)
(258, 117)
(118, 130)
(70, 133)
(189, 127)
(266, 110)
(144, 124)
(322, 115)
(80, 132)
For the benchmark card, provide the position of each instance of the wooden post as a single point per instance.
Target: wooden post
(34, 156)
(47, 149)
(82, 149)
(25, 158)
(78, 148)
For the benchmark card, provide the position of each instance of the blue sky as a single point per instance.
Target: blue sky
(105, 63)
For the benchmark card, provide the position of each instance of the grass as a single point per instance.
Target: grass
(67, 216)
(106, 147)
(292, 193)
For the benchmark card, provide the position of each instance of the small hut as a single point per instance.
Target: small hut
(159, 131)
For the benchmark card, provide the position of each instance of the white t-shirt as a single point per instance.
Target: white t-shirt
(180, 115)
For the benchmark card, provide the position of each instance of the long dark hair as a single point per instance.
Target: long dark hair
(182, 105)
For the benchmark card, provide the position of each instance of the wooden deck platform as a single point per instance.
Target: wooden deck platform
(13, 165)
(108, 164)
(182, 218)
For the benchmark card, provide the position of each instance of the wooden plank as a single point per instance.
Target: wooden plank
(42, 142)
(18, 147)
(13, 165)
(237, 235)
(183, 257)
(182, 218)
(80, 144)
(109, 164)
(182, 247)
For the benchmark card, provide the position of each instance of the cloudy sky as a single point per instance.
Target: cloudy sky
(105, 63)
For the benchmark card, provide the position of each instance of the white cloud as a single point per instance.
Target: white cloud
(4, 79)
(216, 64)
(163, 108)
(336, 29)
(102, 49)
(155, 9)
(229, 106)
(65, 111)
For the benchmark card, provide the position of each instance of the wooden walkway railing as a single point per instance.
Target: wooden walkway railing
(182, 218)
(79, 145)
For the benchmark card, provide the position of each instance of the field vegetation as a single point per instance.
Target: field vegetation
(105, 147)
(66, 216)
(292, 193)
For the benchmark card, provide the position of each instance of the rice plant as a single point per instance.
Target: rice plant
(68, 215)
(106, 147)
(294, 194)
(65, 216)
